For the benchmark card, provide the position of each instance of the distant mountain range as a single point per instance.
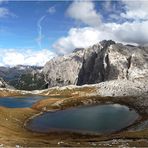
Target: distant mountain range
(23, 77)
(101, 62)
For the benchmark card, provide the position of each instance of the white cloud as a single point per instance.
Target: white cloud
(14, 57)
(136, 10)
(128, 32)
(80, 37)
(131, 32)
(4, 12)
(51, 10)
(85, 12)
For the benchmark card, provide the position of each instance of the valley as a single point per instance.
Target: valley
(85, 78)
(73, 73)
(13, 120)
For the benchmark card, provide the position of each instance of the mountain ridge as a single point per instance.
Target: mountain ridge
(101, 62)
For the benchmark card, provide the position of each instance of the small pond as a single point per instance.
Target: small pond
(95, 118)
(19, 102)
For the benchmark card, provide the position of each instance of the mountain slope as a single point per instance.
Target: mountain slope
(104, 61)
(3, 84)
(23, 77)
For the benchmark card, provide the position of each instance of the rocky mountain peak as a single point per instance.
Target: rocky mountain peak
(77, 49)
(106, 43)
(101, 62)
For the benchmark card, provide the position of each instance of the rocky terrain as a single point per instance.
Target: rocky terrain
(107, 72)
(13, 120)
(102, 62)
(3, 84)
(23, 77)
(111, 69)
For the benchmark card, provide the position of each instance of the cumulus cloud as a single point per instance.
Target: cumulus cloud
(80, 37)
(85, 12)
(14, 57)
(128, 32)
(4, 12)
(136, 10)
(131, 32)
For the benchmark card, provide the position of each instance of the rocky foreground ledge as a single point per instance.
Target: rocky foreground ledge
(131, 93)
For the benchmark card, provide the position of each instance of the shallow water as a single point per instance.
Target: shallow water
(19, 102)
(99, 118)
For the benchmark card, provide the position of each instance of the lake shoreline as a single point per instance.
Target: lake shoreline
(21, 136)
(60, 134)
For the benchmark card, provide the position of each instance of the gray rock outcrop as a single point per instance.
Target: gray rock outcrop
(3, 84)
(63, 70)
(102, 62)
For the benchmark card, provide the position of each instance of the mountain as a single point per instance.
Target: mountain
(23, 77)
(101, 62)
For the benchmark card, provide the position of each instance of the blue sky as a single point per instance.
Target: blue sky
(21, 29)
(33, 29)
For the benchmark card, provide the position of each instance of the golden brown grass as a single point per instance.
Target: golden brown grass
(12, 131)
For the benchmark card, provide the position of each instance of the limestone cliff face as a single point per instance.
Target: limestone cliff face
(63, 70)
(104, 61)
